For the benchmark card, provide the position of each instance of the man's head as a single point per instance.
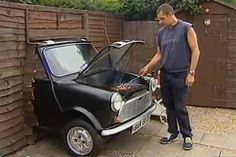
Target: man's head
(165, 15)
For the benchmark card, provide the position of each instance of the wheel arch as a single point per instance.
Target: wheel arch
(79, 112)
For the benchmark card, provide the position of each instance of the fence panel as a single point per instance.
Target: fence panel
(20, 26)
(12, 53)
(141, 30)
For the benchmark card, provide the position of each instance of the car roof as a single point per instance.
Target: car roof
(59, 41)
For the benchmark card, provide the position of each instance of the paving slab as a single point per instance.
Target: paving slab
(144, 143)
(152, 128)
(127, 143)
(108, 153)
(49, 147)
(163, 131)
(227, 153)
(197, 136)
(200, 151)
(154, 149)
(220, 141)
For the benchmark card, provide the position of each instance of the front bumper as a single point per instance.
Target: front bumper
(107, 132)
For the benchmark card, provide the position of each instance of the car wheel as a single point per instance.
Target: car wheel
(81, 139)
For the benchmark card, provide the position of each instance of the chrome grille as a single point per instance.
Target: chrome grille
(135, 106)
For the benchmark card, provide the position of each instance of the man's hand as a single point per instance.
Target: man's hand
(151, 65)
(189, 80)
(144, 71)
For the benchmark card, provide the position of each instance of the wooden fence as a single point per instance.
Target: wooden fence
(215, 84)
(141, 30)
(21, 26)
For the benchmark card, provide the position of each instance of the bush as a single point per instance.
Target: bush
(146, 9)
(132, 9)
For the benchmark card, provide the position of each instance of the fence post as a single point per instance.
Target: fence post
(26, 25)
(86, 25)
(58, 20)
(106, 37)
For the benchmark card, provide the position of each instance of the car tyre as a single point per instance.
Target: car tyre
(81, 139)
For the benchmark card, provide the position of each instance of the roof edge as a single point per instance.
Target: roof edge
(230, 5)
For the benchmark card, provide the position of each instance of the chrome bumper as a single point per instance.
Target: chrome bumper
(107, 132)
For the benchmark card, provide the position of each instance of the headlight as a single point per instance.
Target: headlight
(153, 83)
(116, 102)
(147, 78)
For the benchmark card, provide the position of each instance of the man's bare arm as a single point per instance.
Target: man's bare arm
(152, 64)
(193, 43)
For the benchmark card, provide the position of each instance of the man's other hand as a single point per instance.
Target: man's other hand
(189, 80)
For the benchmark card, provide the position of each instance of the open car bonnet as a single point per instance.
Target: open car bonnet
(113, 57)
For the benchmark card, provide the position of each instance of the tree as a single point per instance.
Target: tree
(231, 1)
(112, 6)
(20, 1)
(140, 9)
(132, 9)
(59, 3)
(146, 9)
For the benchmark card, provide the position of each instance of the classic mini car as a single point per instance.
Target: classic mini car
(88, 95)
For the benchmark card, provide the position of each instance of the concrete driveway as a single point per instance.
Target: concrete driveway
(145, 143)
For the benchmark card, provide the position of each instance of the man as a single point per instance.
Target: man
(178, 53)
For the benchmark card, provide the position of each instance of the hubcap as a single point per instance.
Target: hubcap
(80, 140)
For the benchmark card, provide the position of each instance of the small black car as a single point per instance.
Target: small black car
(89, 95)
